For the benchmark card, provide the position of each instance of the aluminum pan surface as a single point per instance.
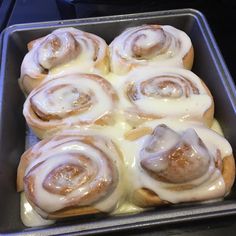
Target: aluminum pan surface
(178, 213)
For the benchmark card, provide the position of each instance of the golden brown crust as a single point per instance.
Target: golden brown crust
(146, 198)
(40, 131)
(188, 59)
(228, 172)
(27, 83)
(25, 160)
(31, 44)
(208, 115)
(134, 134)
(70, 212)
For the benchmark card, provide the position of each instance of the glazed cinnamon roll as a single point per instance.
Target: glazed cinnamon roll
(72, 173)
(150, 45)
(71, 100)
(154, 93)
(177, 162)
(64, 50)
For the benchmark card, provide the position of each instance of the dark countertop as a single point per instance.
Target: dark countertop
(221, 17)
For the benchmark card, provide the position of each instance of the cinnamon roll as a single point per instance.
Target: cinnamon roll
(71, 100)
(174, 161)
(154, 93)
(150, 45)
(64, 50)
(72, 173)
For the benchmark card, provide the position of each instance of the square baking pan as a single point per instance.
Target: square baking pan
(208, 65)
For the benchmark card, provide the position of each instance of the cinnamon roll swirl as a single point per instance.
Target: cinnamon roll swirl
(154, 93)
(70, 174)
(178, 161)
(64, 50)
(150, 45)
(71, 100)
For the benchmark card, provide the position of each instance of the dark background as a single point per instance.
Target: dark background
(221, 16)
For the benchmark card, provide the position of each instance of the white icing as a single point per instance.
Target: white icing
(182, 107)
(30, 65)
(55, 153)
(127, 207)
(210, 185)
(212, 188)
(85, 61)
(92, 50)
(53, 202)
(116, 133)
(192, 106)
(137, 178)
(29, 216)
(121, 48)
(168, 140)
(190, 137)
(85, 66)
(149, 40)
(157, 146)
(216, 127)
(210, 138)
(63, 100)
(51, 54)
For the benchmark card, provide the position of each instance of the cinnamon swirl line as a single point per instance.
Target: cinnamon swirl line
(72, 100)
(154, 93)
(72, 174)
(150, 45)
(57, 52)
(173, 161)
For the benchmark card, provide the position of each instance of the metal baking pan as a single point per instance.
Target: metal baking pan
(208, 64)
